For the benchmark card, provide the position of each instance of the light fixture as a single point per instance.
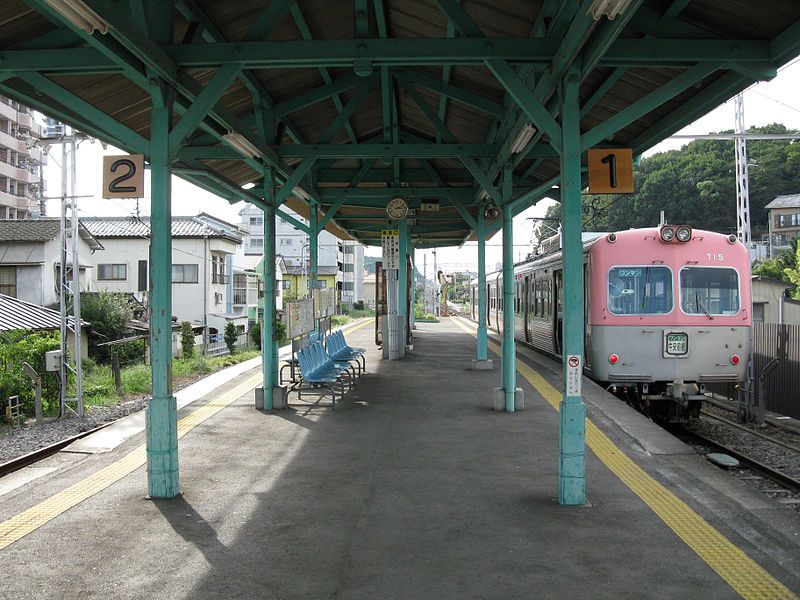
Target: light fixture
(241, 144)
(249, 185)
(609, 8)
(524, 136)
(667, 234)
(80, 15)
(684, 233)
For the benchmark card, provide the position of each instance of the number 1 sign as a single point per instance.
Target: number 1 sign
(123, 176)
(610, 171)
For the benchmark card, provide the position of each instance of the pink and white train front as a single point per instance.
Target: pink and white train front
(669, 310)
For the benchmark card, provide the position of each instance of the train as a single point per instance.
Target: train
(667, 310)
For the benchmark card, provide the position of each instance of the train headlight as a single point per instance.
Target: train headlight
(667, 234)
(613, 359)
(684, 233)
(735, 359)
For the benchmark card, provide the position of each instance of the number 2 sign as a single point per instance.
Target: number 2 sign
(610, 171)
(123, 176)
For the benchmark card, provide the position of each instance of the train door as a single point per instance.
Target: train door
(558, 312)
(498, 305)
(526, 305)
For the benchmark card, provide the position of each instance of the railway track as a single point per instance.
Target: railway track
(773, 474)
(32, 457)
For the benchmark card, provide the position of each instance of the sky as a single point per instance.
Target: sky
(764, 103)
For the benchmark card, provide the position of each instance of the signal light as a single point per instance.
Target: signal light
(684, 233)
(613, 359)
(667, 234)
(735, 359)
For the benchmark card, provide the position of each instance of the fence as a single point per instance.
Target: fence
(781, 387)
(217, 346)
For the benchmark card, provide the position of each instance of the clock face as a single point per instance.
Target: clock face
(397, 208)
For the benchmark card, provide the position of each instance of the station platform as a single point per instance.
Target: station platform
(413, 488)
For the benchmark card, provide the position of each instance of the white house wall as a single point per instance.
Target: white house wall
(190, 301)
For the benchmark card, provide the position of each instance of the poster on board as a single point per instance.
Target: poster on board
(299, 317)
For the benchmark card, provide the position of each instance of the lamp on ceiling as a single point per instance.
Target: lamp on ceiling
(609, 8)
(241, 144)
(80, 15)
(525, 135)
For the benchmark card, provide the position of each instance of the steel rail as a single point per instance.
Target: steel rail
(773, 474)
(32, 457)
(750, 431)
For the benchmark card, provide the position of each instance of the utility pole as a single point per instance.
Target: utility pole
(435, 286)
(69, 211)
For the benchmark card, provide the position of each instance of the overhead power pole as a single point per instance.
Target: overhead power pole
(742, 183)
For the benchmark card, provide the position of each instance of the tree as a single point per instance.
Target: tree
(255, 334)
(110, 314)
(231, 336)
(697, 185)
(793, 272)
(187, 340)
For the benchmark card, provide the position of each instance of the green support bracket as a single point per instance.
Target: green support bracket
(269, 350)
(331, 212)
(161, 415)
(572, 434)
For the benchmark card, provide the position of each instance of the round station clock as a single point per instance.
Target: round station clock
(397, 208)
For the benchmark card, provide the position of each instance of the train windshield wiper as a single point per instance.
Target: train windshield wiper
(646, 288)
(703, 306)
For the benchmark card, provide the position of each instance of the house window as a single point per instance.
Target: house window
(323, 284)
(112, 272)
(256, 242)
(286, 284)
(184, 273)
(285, 241)
(789, 220)
(347, 286)
(256, 220)
(348, 268)
(8, 281)
(218, 269)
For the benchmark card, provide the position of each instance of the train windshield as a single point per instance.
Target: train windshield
(640, 290)
(709, 291)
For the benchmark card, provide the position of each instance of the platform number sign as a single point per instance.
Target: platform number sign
(123, 176)
(610, 171)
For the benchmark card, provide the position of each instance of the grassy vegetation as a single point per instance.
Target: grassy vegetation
(339, 320)
(99, 381)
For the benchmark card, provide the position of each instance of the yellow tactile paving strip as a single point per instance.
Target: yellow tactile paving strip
(28, 521)
(741, 572)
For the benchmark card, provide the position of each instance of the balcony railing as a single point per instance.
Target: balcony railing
(220, 278)
(240, 296)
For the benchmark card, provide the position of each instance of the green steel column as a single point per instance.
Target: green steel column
(572, 435)
(269, 350)
(482, 338)
(402, 277)
(509, 348)
(161, 414)
(313, 249)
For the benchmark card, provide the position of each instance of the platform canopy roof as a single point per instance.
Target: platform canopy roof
(352, 102)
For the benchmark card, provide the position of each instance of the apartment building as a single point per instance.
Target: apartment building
(352, 280)
(21, 161)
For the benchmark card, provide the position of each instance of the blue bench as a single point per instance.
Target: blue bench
(319, 371)
(339, 350)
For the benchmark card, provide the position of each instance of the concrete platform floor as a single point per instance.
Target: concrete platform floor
(412, 488)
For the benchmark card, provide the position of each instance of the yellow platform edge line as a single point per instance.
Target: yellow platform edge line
(742, 573)
(20, 525)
